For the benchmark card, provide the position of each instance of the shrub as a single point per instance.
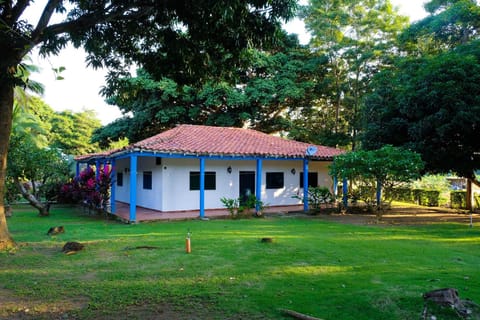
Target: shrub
(458, 199)
(401, 194)
(88, 189)
(476, 197)
(435, 182)
(317, 196)
(231, 205)
(424, 197)
(242, 207)
(431, 197)
(417, 196)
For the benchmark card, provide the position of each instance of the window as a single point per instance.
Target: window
(120, 179)
(312, 179)
(147, 180)
(210, 180)
(274, 180)
(158, 161)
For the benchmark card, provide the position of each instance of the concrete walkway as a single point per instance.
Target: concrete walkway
(144, 214)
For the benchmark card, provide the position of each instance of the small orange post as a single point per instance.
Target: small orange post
(188, 247)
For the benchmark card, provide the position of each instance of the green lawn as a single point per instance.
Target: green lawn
(324, 269)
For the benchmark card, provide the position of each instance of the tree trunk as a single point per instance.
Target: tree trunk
(6, 108)
(34, 202)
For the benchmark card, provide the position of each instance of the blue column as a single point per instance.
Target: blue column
(305, 184)
(345, 192)
(202, 188)
(335, 187)
(258, 187)
(113, 186)
(379, 193)
(133, 188)
(77, 170)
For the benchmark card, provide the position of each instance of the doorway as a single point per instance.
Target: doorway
(247, 184)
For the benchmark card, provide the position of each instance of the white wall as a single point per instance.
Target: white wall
(122, 193)
(171, 182)
(176, 184)
(145, 197)
(283, 196)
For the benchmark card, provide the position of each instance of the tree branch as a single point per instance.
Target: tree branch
(298, 315)
(18, 9)
(44, 19)
(92, 19)
(28, 196)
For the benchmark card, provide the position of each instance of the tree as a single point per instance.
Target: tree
(72, 132)
(366, 170)
(358, 38)
(156, 105)
(450, 23)
(181, 39)
(272, 86)
(280, 86)
(68, 131)
(431, 105)
(33, 169)
(430, 98)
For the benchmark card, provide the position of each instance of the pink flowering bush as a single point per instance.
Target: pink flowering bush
(87, 189)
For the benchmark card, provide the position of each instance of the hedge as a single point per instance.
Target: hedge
(424, 197)
(458, 199)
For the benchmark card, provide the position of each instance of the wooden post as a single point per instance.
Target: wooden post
(188, 247)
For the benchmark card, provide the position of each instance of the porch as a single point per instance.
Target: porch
(144, 215)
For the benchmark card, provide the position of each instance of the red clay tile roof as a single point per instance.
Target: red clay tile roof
(103, 154)
(222, 141)
(206, 140)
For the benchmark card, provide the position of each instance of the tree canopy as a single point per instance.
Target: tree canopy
(430, 105)
(358, 38)
(429, 101)
(386, 167)
(273, 86)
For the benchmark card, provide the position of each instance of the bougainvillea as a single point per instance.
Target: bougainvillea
(88, 189)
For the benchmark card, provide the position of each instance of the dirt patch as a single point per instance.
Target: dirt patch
(15, 308)
(405, 215)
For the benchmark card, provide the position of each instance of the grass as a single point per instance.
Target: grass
(324, 269)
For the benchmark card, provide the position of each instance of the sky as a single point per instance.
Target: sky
(79, 90)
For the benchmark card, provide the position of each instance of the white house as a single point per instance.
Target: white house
(192, 167)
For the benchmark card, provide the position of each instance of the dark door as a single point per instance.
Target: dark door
(247, 184)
